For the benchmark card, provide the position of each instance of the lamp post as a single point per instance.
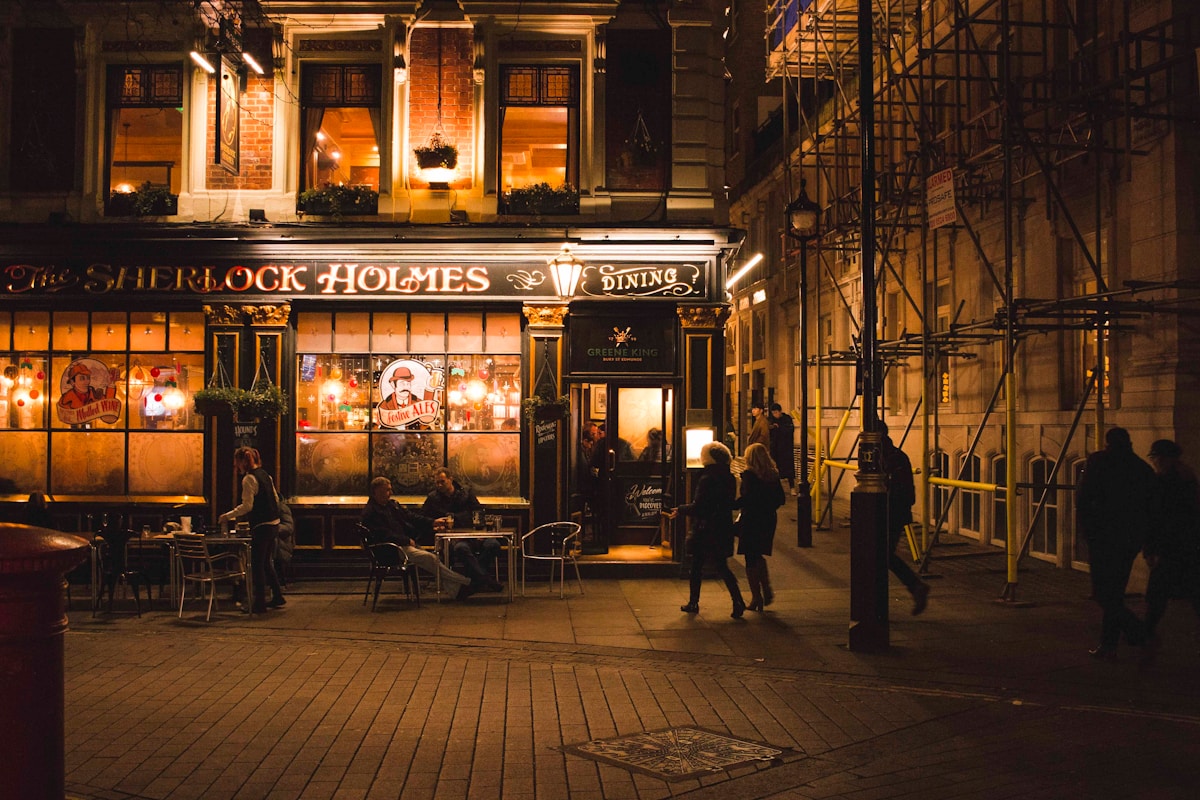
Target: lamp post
(803, 221)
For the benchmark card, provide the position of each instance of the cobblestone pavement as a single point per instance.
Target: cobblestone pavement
(481, 699)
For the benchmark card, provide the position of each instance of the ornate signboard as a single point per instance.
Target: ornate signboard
(228, 133)
(622, 343)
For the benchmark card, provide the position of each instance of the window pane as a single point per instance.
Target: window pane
(147, 148)
(159, 391)
(87, 462)
(409, 459)
(23, 393)
(187, 332)
(108, 331)
(149, 330)
(166, 465)
(31, 330)
(78, 384)
(404, 385)
(466, 332)
(489, 464)
(70, 330)
(478, 392)
(24, 457)
(333, 392)
(534, 147)
(314, 333)
(352, 333)
(428, 333)
(346, 152)
(331, 463)
(389, 333)
(503, 333)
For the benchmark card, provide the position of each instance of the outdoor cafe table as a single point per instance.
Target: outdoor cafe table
(242, 543)
(443, 541)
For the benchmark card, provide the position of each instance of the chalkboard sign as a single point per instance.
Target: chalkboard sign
(641, 500)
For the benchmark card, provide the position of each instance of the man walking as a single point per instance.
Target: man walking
(902, 493)
(1114, 501)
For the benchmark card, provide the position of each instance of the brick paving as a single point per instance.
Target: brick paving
(324, 699)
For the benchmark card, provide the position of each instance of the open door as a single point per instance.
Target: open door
(626, 438)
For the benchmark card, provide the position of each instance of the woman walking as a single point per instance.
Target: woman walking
(712, 535)
(260, 504)
(762, 493)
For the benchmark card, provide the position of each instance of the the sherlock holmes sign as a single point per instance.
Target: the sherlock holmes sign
(350, 278)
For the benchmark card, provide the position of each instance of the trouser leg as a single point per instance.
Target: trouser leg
(465, 556)
(428, 562)
(754, 577)
(698, 557)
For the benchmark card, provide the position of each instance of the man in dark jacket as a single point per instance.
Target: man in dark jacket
(458, 505)
(1173, 541)
(388, 521)
(902, 493)
(1114, 501)
(783, 448)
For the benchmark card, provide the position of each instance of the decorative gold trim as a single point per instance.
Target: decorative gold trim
(223, 315)
(703, 316)
(268, 315)
(545, 316)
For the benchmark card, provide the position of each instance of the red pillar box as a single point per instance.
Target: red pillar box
(33, 618)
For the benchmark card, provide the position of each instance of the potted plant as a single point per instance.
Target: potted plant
(542, 198)
(213, 400)
(147, 200)
(339, 201)
(437, 154)
(264, 400)
(536, 407)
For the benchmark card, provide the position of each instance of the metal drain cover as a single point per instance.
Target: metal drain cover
(676, 754)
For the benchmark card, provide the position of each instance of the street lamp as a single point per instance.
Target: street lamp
(565, 270)
(803, 222)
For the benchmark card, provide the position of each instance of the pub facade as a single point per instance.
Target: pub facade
(430, 320)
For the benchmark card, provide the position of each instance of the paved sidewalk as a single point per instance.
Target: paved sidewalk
(481, 699)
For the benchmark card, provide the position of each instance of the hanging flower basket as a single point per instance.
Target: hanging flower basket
(216, 400)
(537, 408)
(437, 154)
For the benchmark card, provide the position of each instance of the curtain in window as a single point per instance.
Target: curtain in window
(312, 125)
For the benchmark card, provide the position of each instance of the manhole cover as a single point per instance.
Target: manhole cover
(676, 753)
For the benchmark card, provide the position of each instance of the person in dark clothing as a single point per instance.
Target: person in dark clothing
(902, 493)
(1114, 501)
(37, 512)
(712, 537)
(388, 521)
(761, 495)
(285, 544)
(260, 505)
(1172, 547)
(783, 447)
(457, 505)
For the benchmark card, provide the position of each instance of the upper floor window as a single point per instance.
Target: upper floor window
(539, 126)
(145, 138)
(341, 121)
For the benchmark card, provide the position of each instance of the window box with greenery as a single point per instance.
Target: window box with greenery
(542, 199)
(339, 201)
(146, 201)
(537, 408)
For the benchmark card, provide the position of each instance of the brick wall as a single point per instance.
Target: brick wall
(457, 95)
(258, 108)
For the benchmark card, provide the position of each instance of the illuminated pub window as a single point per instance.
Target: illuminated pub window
(340, 119)
(402, 394)
(99, 402)
(539, 126)
(145, 138)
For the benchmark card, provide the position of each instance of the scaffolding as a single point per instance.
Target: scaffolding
(1008, 137)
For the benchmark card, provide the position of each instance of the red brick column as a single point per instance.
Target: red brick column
(33, 618)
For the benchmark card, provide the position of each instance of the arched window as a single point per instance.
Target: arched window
(1044, 538)
(970, 501)
(940, 467)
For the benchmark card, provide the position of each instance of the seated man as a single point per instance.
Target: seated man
(456, 504)
(388, 521)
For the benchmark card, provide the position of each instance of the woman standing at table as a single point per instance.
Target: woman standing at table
(260, 505)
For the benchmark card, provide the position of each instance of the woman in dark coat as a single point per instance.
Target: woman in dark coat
(712, 533)
(761, 495)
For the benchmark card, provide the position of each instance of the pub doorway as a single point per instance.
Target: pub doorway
(624, 467)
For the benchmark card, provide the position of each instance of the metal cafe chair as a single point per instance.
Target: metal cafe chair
(553, 542)
(388, 559)
(197, 565)
(119, 563)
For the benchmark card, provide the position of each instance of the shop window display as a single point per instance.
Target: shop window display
(411, 406)
(82, 413)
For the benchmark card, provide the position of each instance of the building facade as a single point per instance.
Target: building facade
(421, 234)
(1033, 178)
